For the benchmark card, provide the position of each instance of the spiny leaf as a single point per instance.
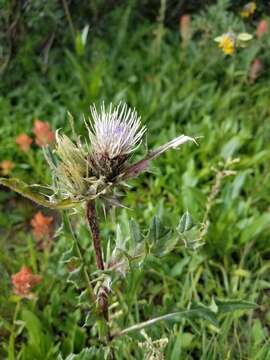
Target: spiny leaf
(185, 223)
(25, 190)
(156, 230)
(75, 277)
(69, 255)
(142, 165)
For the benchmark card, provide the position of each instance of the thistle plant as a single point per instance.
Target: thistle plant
(95, 169)
(85, 172)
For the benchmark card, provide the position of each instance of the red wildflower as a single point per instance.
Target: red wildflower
(255, 69)
(24, 281)
(6, 167)
(41, 225)
(185, 29)
(24, 142)
(43, 133)
(262, 28)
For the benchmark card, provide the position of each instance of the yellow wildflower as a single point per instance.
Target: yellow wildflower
(248, 9)
(227, 43)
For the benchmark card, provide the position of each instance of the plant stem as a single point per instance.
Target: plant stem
(70, 23)
(93, 224)
(91, 215)
(79, 252)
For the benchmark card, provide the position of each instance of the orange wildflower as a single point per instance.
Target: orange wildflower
(24, 142)
(6, 166)
(41, 225)
(185, 29)
(262, 28)
(24, 281)
(256, 69)
(43, 133)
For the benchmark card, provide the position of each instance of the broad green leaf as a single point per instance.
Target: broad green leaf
(156, 230)
(33, 326)
(161, 239)
(25, 190)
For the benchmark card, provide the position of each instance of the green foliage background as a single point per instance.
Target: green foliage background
(131, 55)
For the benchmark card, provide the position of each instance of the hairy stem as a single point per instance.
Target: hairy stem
(93, 224)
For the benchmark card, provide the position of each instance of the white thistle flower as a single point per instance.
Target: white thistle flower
(114, 134)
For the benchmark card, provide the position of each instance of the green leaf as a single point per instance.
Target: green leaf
(254, 227)
(185, 223)
(25, 190)
(135, 232)
(231, 147)
(33, 326)
(39, 342)
(196, 310)
(90, 319)
(156, 230)
(161, 239)
(225, 306)
(70, 255)
(75, 277)
(204, 312)
(86, 354)
(83, 298)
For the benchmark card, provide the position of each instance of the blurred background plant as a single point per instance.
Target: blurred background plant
(59, 56)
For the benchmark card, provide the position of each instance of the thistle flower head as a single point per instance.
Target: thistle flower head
(69, 167)
(114, 134)
(86, 170)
